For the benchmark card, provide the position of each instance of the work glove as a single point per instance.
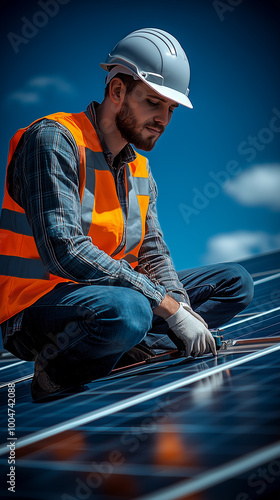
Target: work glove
(192, 330)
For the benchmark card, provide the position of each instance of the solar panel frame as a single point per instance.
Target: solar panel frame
(239, 402)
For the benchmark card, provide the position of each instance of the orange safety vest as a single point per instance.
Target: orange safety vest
(23, 277)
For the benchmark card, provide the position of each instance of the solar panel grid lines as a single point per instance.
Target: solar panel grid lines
(218, 385)
(266, 297)
(252, 318)
(212, 477)
(266, 262)
(191, 434)
(226, 327)
(265, 273)
(16, 381)
(96, 391)
(247, 334)
(266, 279)
(273, 298)
(220, 438)
(139, 469)
(77, 402)
(15, 372)
(127, 472)
(11, 365)
(263, 328)
(127, 403)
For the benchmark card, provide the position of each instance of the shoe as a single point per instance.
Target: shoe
(42, 386)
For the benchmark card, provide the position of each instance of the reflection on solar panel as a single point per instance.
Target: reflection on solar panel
(202, 429)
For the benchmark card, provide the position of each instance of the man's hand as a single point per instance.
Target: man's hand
(188, 326)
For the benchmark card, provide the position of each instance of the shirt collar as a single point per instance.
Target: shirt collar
(126, 155)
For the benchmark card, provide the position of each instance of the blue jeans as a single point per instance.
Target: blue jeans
(79, 332)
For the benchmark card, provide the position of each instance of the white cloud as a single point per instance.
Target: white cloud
(55, 82)
(257, 186)
(239, 245)
(33, 91)
(25, 97)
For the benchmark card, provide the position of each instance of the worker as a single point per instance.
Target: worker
(86, 278)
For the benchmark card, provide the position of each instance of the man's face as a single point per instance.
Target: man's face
(143, 116)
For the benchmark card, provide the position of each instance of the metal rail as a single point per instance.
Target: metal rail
(135, 400)
(216, 475)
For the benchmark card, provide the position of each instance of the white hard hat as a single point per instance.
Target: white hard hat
(155, 57)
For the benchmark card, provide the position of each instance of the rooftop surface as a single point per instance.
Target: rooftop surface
(200, 429)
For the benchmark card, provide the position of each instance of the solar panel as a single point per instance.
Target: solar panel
(205, 428)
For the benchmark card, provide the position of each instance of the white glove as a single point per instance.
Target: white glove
(192, 330)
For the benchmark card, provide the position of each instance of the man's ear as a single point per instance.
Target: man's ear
(117, 90)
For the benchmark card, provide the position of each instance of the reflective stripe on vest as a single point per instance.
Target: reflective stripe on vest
(20, 267)
(15, 221)
(23, 277)
(136, 186)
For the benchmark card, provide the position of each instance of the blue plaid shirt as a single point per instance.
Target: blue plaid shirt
(44, 180)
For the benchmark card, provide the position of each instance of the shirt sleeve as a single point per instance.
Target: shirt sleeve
(154, 256)
(46, 185)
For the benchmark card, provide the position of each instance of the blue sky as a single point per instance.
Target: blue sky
(217, 166)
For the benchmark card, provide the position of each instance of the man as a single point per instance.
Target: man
(85, 273)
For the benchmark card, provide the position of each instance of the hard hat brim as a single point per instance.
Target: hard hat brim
(167, 92)
(174, 95)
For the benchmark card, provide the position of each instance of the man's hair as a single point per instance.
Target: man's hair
(128, 80)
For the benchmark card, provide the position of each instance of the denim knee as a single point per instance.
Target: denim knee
(245, 283)
(132, 318)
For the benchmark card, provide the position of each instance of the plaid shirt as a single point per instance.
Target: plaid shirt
(44, 180)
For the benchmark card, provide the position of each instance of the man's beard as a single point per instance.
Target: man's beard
(127, 124)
